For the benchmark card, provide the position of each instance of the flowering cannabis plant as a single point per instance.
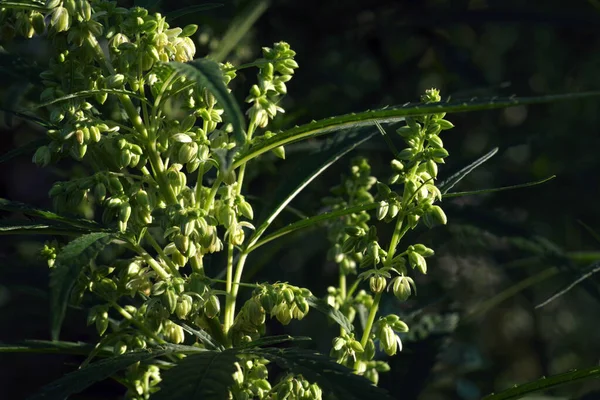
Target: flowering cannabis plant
(168, 147)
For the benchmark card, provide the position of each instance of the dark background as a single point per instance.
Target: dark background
(500, 255)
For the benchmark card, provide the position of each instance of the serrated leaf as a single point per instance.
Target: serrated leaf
(53, 218)
(47, 347)
(68, 264)
(25, 5)
(207, 375)
(544, 383)
(24, 228)
(449, 183)
(206, 73)
(79, 380)
(336, 315)
(89, 93)
(31, 118)
(209, 342)
(173, 15)
(309, 169)
(312, 221)
(390, 115)
(271, 340)
(331, 377)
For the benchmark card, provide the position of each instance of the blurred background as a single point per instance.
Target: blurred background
(475, 328)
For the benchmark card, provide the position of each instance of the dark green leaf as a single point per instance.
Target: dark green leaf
(331, 377)
(449, 183)
(89, 93)
(47, 347)
(207, 375)
(271, 340)
(206, 73)
(24, 5)
(336, 315)
(68, 264)
(78, 380)
(25, 228)
(15, 206)
(308, 222)
(205, 338)
(544, 383)
(192, 10)
(309, 169)
(389, 115)
(31, 118)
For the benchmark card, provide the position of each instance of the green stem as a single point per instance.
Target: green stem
(228, 320)
(162, 254)
(137, 323)
(160, 271)
(230, 300)
(342, 295)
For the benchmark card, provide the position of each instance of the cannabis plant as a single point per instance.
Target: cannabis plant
(167, 149)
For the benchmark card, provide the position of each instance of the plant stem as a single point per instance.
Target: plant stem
(230, 302)
(160, 271)
(161, 253)
(137, 323)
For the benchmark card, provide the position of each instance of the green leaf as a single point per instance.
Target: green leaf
(191, 10)
(308, 222)
(309, 169)
(205, 338)
(395, 114)
(89, 93)
(271, 340)
(500, 189)
(207, 375)
(449, 183)
(544, 383)
(238, 28)
(24, 228)
(336, 315)
(331, 377)
(79, 380)
(55, 219)
(29, 148)
(206, 73)
(31, 118)
(24, 5)
(47, 347)
(68, 264)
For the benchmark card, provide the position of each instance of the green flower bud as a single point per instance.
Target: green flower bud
(42, 156)
(438, 214)
(115, 81)
(382, 210)
(60, 19)
(102, 321)
(184, 306)
(438, 153)
(182, 243)
(246, 209)
(284, 314)
(120, 347)
(38, 23)
(401, 286)
(399, 326)
(422, 250)
(279, 152)
(189, 30)
(288, 295)
(372, 375)
(417, 261)
(213, 307)
(377, 284)
(256, 313)
(445, 124)
(174, 333)
(369, 352)
(169, 300)
(389, 340)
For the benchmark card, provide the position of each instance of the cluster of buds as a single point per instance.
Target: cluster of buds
(353, 190)
(385, 330)
(280, 300)
(251, 380)
(274, 73)
(295, 387)
(144, 380)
